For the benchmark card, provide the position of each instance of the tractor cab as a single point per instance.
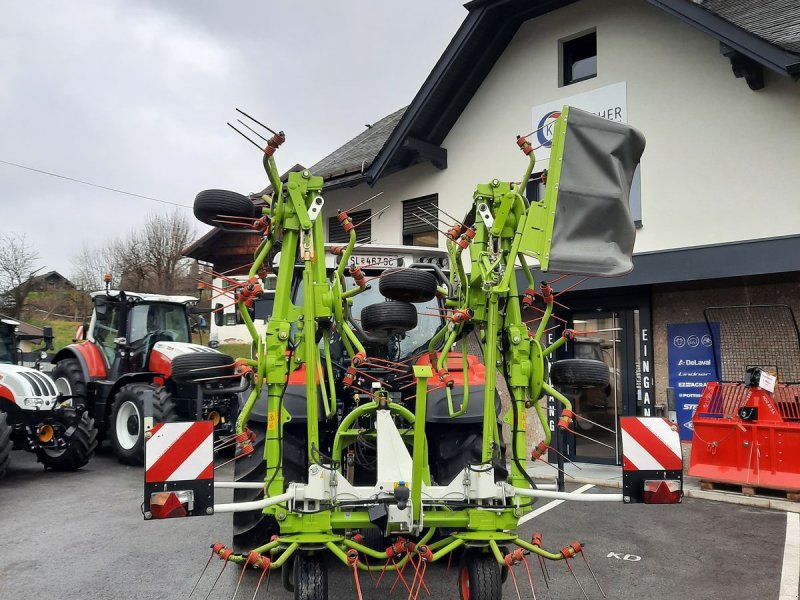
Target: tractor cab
(8, 344)
(126, 326)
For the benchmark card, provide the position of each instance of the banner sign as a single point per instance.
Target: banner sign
(691, 366)
(609, 102)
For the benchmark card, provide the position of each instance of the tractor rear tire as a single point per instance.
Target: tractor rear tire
(70, 381)
(211, 205)
(479, 577)
(212, 364)
(126, 427)
(253, 528)
(310, 577)
(80, 450)
(408, 285)
(579, 373)
(5, 443)
(387, 318)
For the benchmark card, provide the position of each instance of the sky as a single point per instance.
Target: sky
(135, 94)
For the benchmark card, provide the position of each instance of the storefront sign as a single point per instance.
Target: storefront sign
(609, 102)
(645, 371)
(691, 367)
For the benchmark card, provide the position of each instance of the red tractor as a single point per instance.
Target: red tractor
(135, 365)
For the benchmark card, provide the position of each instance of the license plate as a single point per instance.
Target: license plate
(373, 260)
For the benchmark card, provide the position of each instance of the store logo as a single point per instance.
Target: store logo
(545, 127)
(689, 425)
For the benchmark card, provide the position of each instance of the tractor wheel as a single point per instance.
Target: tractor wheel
(579, 373)
(253, 528)
(127, 425)
(310, 577)
(479, 577)
(5, 443)
(388, 318)
(210, 205)
(408, 285)
(79, 450)
(69, 379)
(191, 367)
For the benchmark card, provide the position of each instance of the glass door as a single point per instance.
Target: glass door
(601, 338)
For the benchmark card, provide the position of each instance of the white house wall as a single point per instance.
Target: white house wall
(721, 162)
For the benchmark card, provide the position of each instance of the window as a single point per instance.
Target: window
(337, 235)
(579, 59)
(534, 191)
(420, 217)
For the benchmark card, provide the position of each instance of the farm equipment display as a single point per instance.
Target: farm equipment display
(137, 358)
(372, 432)
(37, 415)
(747, 423)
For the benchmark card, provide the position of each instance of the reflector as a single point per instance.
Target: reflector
(662, 491)
(166, 505)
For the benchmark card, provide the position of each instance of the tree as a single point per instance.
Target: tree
(148, 259)
(17, 261)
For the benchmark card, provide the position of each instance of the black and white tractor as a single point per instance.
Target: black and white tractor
(36, 414)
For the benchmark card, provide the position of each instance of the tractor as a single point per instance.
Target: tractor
(136, 355)
(372, 434)
(36, 414)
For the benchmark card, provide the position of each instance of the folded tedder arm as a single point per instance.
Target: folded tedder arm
(581, 226)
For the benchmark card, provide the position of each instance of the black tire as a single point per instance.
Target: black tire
(479, 577)
(126, 426)
(408, 285)
(80, 449)
(253, 528)
(388, 318)
(5, 443)
(579, 373)
(310, 577)
(212, 364)
(70, 380)
(210, 205)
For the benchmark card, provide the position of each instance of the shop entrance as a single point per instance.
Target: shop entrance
(619, 338)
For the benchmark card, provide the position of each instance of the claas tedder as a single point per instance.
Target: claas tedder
(372, 435)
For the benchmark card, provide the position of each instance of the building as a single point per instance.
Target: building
(711, 84)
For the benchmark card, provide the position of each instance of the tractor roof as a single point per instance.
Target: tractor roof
(145, 297)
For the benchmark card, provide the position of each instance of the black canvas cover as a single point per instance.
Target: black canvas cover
(593, 233)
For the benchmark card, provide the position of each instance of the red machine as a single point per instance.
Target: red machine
(747, 432)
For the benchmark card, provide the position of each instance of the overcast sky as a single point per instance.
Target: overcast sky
(134, 95)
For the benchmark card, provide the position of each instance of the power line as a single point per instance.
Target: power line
(96, 185)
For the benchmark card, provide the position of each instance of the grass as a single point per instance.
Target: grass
(235, 350)
(64, 331)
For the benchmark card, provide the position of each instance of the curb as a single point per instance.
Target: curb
(697, 493)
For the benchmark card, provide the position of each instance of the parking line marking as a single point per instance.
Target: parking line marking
(553, 504)
(790, 571)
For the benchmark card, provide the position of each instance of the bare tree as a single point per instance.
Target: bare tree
(17, 261)
(92, 263)
(146, 260)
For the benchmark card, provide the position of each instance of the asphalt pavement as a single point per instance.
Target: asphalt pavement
(81, 536)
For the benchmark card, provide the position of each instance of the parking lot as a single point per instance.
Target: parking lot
(81, 536)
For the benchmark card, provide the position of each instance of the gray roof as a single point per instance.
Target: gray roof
(776, 21)
(347, 164)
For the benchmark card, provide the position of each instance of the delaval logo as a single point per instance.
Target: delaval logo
(544, 129)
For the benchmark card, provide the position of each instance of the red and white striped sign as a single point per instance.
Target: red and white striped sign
(179, 452)
(650, 444)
